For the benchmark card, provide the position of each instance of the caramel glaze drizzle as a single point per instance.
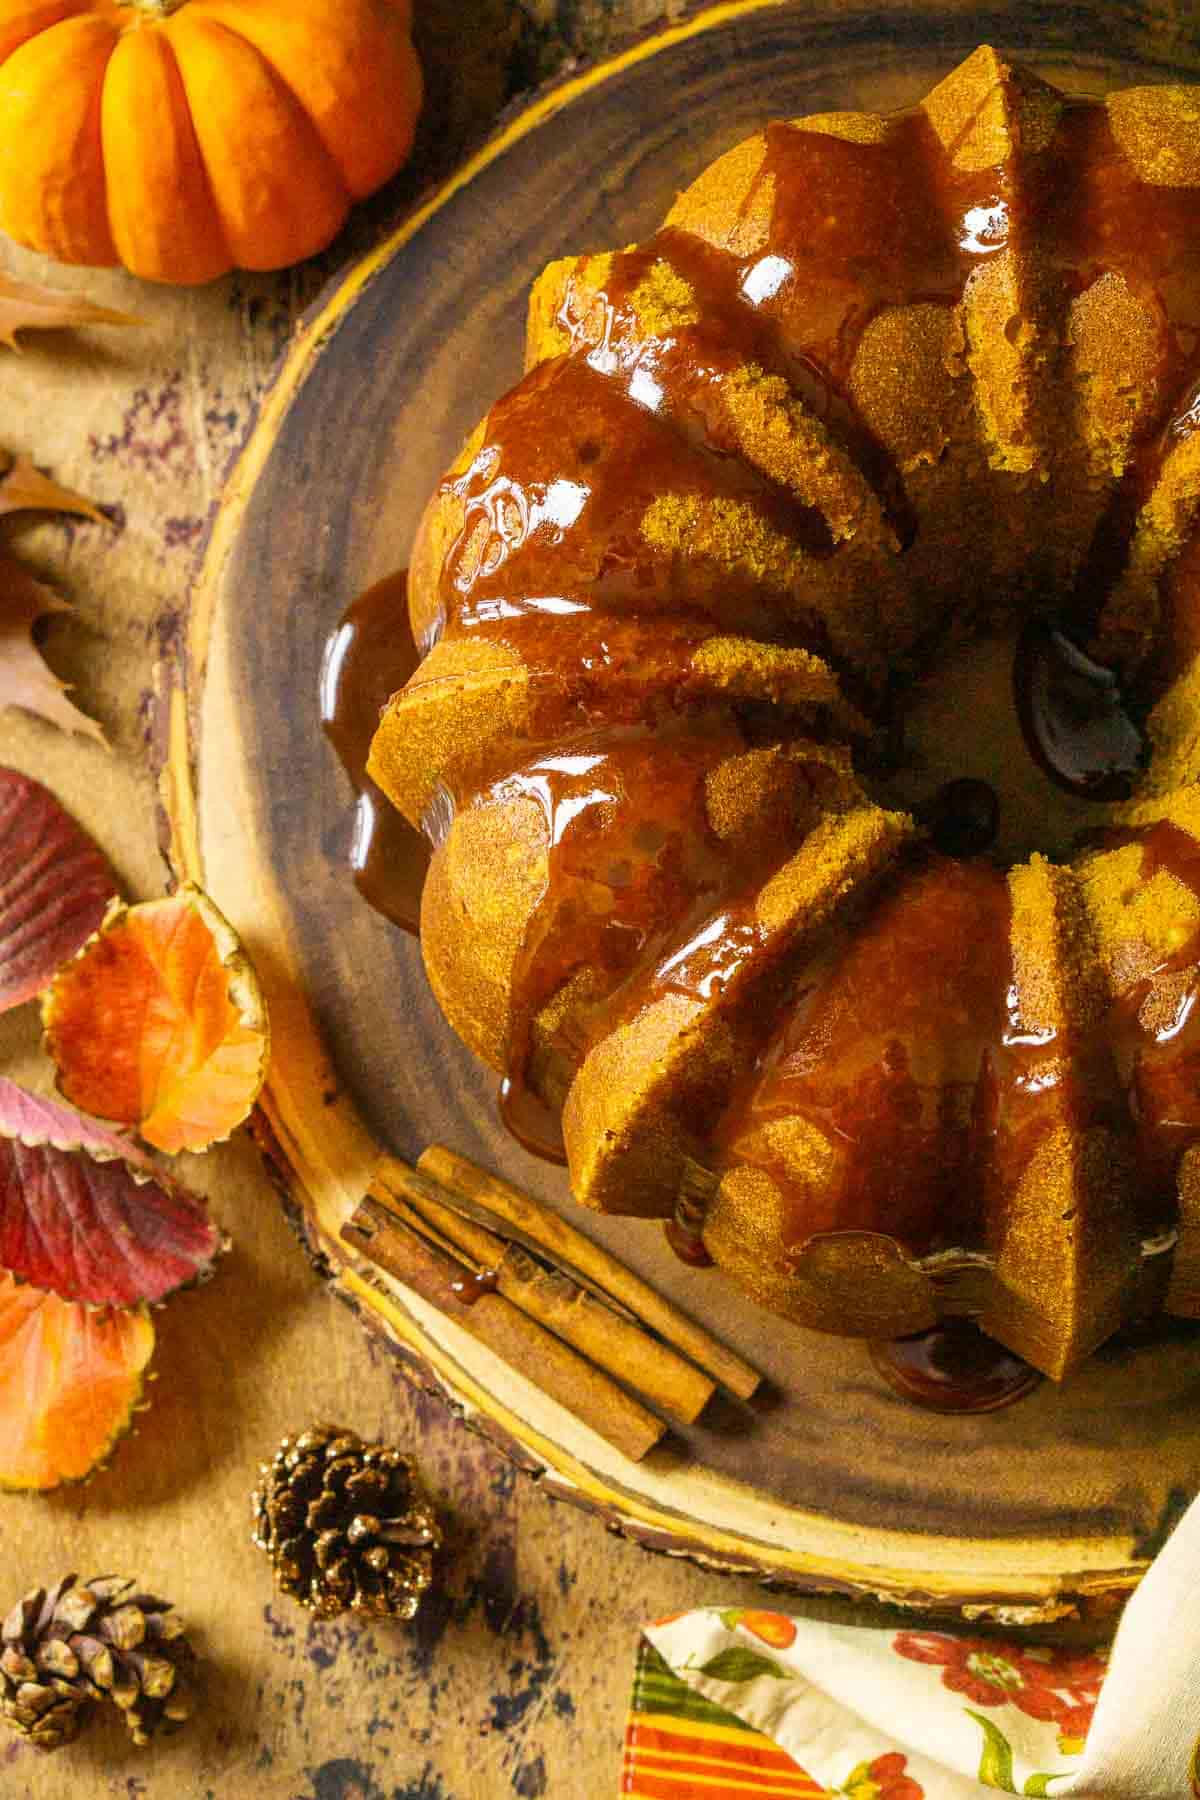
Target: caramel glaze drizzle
(552, 563)
(473, 1285)
(954, 1368)
(367, 659)
(685, 1232)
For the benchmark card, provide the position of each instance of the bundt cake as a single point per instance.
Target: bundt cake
(809, 719)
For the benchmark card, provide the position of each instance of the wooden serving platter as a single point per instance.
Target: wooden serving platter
(833, 1482)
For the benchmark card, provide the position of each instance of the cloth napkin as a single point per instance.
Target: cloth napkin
(736, 1702)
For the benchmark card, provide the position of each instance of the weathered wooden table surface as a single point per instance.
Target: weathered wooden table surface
(516, 1676)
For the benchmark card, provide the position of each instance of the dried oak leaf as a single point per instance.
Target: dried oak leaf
(85, 1215)
(29, 306)
(24, 678)
(159, 1022)
(23, 488)
(70, 1380)
(55, 886)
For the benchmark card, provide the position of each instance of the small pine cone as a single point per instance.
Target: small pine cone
(64, 1647)
(346, 1525)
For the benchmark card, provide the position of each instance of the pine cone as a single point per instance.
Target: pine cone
(346, 1525)
(69, 1645)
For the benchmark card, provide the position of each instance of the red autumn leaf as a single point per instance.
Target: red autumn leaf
(24, 678)
(159, 1023)
(55, 886)
(29, 306)
(25, 489)
(70, 1379)
(86, 1215)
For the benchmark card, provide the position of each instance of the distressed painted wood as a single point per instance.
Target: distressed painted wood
(515, 1680)
(836, 1485)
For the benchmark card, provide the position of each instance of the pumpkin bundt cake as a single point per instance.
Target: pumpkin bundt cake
(809, 719)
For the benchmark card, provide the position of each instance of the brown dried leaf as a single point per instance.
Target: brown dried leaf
(25, 489)
(28, 306)
(24, 678)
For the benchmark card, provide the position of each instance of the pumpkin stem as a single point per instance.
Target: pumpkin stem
(157, 9)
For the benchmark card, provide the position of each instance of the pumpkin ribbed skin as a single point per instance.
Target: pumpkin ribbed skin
(184, 140)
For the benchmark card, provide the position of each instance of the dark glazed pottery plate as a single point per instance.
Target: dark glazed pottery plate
(835, 1482)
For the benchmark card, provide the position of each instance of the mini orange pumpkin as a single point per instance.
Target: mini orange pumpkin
(184, 137)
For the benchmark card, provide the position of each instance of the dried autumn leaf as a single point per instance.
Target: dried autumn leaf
(24, 678)
(70, 1379)
(55, 886)
(86, 1215)
(29, 306)
(159, 1022)
(25, 489)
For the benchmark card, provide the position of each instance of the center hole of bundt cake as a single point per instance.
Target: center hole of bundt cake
(1013, 743)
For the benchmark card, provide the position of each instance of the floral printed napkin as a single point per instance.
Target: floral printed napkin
(739, 1702)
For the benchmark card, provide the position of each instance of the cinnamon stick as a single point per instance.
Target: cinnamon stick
(470, 1299)
(558, 1238)
(609, 1339)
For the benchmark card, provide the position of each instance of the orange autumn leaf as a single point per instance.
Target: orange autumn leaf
(25, 679)
(159, 1023)
(70, 1379)
(30, 306)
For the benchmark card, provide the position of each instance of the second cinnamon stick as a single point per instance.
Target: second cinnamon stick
(472, 1302)
(456, 1172)
(610, 1339)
